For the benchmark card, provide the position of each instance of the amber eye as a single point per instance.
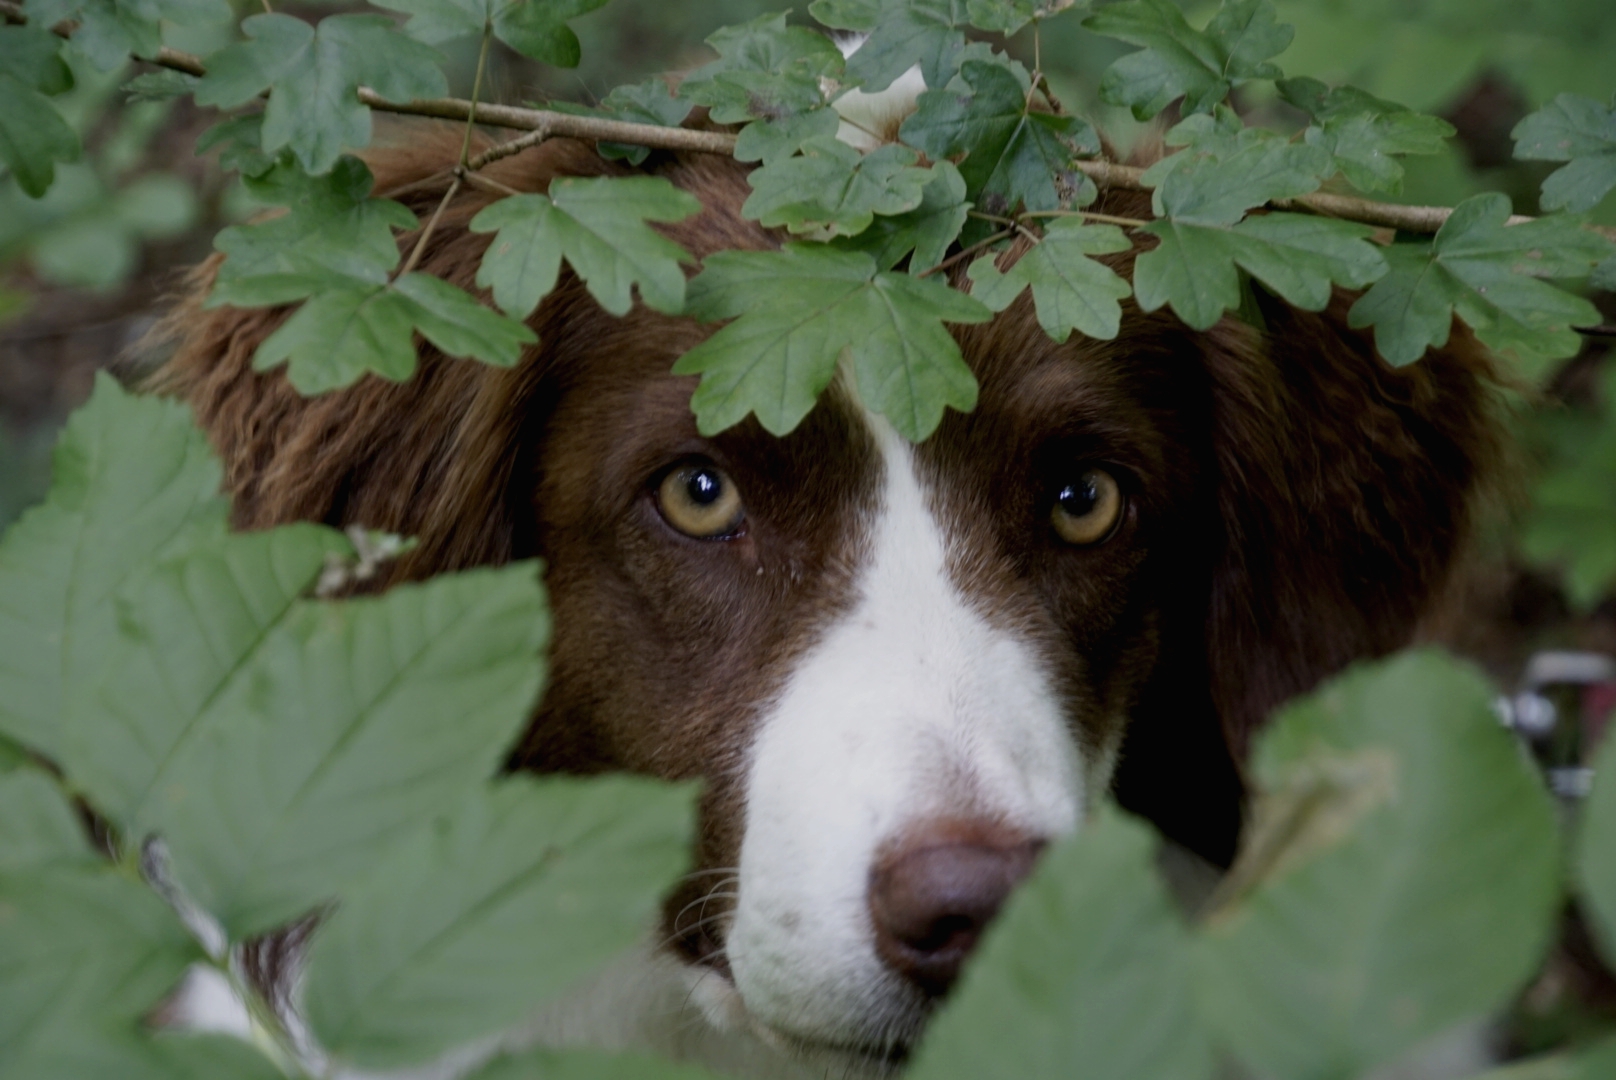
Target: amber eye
(700, 501)
(1087, 510)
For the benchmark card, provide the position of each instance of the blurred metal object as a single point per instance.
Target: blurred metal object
(1561, 709)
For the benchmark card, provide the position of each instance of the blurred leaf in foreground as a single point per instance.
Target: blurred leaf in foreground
(1596, 851)
(1367, 911)
(1089, 963)
(504, 902)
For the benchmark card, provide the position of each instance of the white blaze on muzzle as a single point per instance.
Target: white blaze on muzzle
(911, 709)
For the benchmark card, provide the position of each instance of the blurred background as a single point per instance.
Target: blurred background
(84, 270)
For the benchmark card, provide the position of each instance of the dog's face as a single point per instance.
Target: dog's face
(901, 670)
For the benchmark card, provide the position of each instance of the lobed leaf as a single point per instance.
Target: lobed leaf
(769, 141)
(534, 28)
(834, 190)
(1089, 963)
(1367, 913)
(313, 74)
(1227, 169)
(1577, 130)
(37, 825)
(1488, 273)
(648, 102)
(133, 481)
(33, 136)
(328, 737)
(1362, 133)
(186, 633)
(796, 311)
(1176, 60)
(1571, 527)
(1193, 268)
(926, 231)
(901, 34)
(765, 70)
(465, 927)
(354, 330)
(84, 954)
(1071, 290)
(1014, 155)
(1595, 849)
(333, 235)
(109, 31)
(1009, 16)
(600, 226)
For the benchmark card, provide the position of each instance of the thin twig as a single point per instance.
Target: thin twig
(960, 256)
(487, 183)
(507, 148)
(426, 233)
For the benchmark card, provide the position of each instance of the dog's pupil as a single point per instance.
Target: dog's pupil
(704, 487)
(1078, 499)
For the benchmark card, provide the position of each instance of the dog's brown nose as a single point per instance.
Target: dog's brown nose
(932, 896)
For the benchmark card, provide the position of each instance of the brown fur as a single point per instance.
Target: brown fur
(1295, 503)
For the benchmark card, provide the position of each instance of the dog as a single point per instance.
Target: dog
(900, 670)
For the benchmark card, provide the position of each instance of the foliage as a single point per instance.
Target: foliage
(256, 751)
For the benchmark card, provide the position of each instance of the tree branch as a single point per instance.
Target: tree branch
(545, 124)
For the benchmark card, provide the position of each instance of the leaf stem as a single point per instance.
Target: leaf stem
(488, 183)
(426, 233)
(476, 88)
(960, 256)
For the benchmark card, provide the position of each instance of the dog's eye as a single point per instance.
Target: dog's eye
(1087, 510)
(700, 501)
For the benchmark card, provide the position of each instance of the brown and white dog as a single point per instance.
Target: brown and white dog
(899, 669)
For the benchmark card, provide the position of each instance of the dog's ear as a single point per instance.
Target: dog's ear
(1347, 492)
(434, 457)
(1343, 492)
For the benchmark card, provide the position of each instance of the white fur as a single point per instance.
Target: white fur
(911, 708)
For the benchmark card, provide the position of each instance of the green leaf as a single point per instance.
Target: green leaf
(468, 925)
(37, 826)
(927, 230)
(1071, 290)
(33, 57)
(109, 31)
(535, 28)
(1179, 61)
(1193, 267)
(1013, 154)
(313, 75)
(1571, 527)
(1488, 274)
(84, 953)
(133, 479)
(649, 102)
(333, 235)
(1367, 912)
(770, 140)
(239, 140)
(795, 312)
(187, 632)
(765, 70)
(341, 335)
(1596, 851)
(33, 136)
(1009, 16)
(1226, 169)
(547, 1064)
(453, 320)
(1578, 130)
(834, 190)
(600, 227)
(1361, 132)
(164, 85)
(328, 740)
(902, 33)
(1089, 963)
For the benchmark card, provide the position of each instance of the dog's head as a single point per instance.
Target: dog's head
(900, 669)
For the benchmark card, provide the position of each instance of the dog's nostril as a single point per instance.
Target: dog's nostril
(931, 898)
